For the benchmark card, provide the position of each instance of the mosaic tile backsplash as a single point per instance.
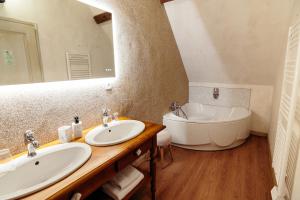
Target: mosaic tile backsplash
(228, 97)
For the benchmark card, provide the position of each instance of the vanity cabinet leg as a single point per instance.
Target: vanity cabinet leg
(153, 168)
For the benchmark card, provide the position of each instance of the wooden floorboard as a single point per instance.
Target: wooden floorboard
(243, 173)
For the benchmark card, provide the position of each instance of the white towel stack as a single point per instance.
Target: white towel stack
(125, 181)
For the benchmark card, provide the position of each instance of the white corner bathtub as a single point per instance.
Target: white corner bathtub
(209, 127)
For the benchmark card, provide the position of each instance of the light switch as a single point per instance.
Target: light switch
(8, 57)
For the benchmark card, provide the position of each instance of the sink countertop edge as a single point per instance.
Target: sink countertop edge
(101, 158)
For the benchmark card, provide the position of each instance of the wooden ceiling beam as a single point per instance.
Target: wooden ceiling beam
(103, 17)
(164, 1)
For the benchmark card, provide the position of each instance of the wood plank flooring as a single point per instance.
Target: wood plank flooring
(243, 173)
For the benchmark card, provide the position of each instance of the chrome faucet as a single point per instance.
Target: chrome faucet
(216, 93)
(106, 117)
(31, 142)
(175, 108)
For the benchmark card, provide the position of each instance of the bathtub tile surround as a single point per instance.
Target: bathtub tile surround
(143, 88)
(257, 97)
(239, 97)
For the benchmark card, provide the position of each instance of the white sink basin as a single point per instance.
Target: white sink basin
(50, 165)
(116, 132)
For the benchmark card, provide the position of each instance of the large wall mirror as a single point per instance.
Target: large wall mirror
(57, 40)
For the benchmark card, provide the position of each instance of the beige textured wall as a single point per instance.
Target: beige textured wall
(238, 42)
(150, 75)
(230, 41)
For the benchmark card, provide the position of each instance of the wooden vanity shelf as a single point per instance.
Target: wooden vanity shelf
(103, 165)
(101, 195)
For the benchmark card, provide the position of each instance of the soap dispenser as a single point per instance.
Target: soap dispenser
(77, 127)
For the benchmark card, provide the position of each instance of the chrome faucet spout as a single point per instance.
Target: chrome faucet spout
(106, 117)
(175, 108)
(184, 114)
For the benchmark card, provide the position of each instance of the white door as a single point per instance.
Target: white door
(19, 53)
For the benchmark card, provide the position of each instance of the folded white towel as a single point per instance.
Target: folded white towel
(116, 193)
(125, 177)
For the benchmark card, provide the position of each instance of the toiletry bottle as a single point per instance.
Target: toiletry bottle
(65, 134)
(77, 127)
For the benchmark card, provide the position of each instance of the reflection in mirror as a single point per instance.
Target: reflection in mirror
(20, 60)
(54, 41)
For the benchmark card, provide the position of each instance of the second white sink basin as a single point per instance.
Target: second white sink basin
(50, 165)
(116, 132)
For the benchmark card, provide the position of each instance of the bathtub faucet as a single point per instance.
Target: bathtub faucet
(216, 93)
(176, 109)
(174, 106)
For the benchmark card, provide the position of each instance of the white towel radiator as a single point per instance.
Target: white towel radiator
(283, 151)
(78, 65)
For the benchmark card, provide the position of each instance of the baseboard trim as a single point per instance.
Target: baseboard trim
(257, 133)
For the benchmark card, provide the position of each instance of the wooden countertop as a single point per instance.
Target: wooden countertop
(101, 158)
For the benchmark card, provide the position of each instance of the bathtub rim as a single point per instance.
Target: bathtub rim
(173, 117)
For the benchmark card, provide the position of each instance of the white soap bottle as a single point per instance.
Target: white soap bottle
(77, 127)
